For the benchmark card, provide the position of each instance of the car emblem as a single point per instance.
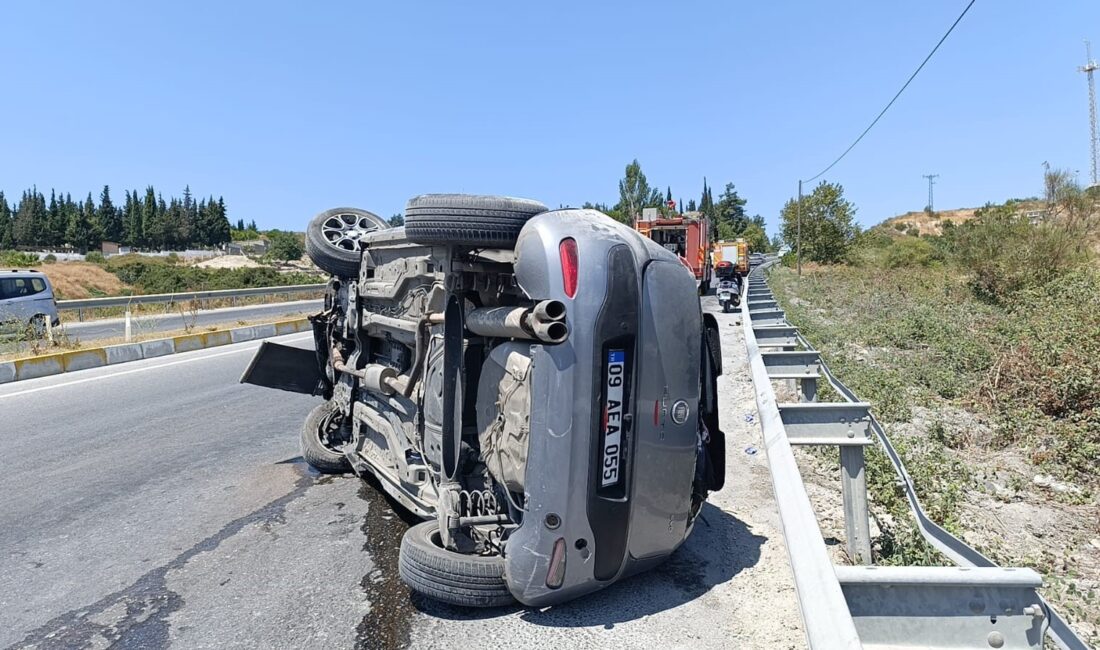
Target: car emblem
(680, 411)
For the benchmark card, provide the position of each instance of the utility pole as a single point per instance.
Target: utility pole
(798, 254)
(931, 181)
(1094, 144)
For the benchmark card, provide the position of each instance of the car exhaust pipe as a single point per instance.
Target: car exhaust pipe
(553, 332)
(549, 310)
(517, 323)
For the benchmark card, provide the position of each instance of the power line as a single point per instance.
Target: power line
(910, 80)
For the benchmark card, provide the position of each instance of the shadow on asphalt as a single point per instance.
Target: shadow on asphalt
(720, 547)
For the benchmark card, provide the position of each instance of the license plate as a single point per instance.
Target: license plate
(613, 417)
(724, 295)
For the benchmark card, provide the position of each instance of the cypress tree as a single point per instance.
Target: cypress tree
(79, 229)
(53, 231)
(6, 240)
(220, 231)
(110, 221)
(149, 226)
(134, 233)
(30, 219)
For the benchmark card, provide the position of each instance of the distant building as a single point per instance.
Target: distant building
(110, 248)
(248, 247)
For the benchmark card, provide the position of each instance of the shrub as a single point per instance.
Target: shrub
(285, 246)
(17, 259)
(95, 257)
(50, 258)
(172, 258)
(910, 252)
(157, 275)
(1005, 253)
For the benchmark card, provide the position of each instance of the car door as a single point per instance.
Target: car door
(11, 303)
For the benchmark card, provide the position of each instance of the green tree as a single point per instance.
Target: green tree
(53, 231)
(706, 204)
(635, 193)
(30, 219)
(78, 231)
(6, 239)
(286, 246)
(108, 217)
(151, 229)
(756, 238)
(397, 219)
(828, 223)
(131, 219)
(730, 219)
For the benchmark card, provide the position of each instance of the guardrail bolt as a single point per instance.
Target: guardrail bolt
(996, 640)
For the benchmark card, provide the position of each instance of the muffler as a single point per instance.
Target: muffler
(543, 322)
(549, 310)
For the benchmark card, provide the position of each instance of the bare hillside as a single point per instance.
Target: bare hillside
(932, 223)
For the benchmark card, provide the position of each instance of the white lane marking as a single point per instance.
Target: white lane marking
(144, 368)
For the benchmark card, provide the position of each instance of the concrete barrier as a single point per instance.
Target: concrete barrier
(59, 362)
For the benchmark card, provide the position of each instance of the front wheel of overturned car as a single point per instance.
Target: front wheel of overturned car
(335, 239)
(321, 434)
(453, 578)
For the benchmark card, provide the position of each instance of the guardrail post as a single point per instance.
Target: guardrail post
(808, 386)
(853, 481)
(128, 334)
(80, 315)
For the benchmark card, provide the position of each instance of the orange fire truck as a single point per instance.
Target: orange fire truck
(687, 235)
(731, 256)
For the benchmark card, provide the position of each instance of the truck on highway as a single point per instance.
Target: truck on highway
(539, 386)
(687, 235)
(731, 257)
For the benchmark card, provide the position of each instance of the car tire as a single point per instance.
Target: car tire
(36, 327)
(335, 239)
(316, 450)
(450, 577)
(468, 220)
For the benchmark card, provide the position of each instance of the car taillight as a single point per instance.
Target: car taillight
(568, 251)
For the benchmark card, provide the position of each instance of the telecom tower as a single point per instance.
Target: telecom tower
(931, 181)
(1094, 143)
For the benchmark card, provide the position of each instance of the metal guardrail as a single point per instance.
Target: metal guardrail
(172, 298)
(974, 605)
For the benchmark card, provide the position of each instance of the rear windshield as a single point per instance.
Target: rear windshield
(20, 287)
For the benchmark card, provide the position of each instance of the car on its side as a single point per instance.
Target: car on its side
(26, 302)
(540, 386)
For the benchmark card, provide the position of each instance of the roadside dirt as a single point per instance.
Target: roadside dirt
(229, 262)
(75, 280)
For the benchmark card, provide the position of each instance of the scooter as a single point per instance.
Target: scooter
(728, 296)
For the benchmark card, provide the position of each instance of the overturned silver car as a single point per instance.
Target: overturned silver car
(538, 385)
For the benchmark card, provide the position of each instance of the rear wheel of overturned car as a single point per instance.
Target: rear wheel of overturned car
(324, 430)
(335, 239)
(450, 577)
(468, 220)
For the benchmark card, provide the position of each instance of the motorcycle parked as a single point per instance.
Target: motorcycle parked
(728, 295)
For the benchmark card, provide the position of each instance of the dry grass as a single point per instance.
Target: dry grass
(932, 224)
(73, 280)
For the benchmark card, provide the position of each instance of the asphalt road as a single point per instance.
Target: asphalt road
(174, 321)
(161, 504)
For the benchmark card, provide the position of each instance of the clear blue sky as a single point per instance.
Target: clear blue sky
(288, 108)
